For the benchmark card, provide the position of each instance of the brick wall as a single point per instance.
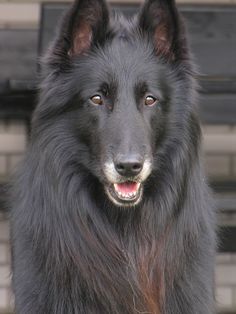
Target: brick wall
(5, 291)
(226, 282)
(220, 148)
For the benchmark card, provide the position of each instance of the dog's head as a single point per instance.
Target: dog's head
(118, 89)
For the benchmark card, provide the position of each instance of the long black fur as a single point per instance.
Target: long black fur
(74, 250)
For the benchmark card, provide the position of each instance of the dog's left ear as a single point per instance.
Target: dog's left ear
(161, 21)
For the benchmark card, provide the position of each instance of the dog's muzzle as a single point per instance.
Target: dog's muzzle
(125, 181)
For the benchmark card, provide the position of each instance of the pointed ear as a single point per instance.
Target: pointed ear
(161, 21)
(85, 24)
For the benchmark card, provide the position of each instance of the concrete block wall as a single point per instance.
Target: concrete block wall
(226, 282)
(5, 271)
(220, 158)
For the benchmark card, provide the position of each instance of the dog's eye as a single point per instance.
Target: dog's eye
(96, 100)
(150, 100)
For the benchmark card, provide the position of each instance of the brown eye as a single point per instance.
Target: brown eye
(96, 100)
(150, 100)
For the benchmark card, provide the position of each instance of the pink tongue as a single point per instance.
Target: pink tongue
(127, 187)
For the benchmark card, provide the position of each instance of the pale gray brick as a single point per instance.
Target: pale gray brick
(16, 127)
(226, 274)
(12, 143)
(224, 297)
(4, 301)
(223, 143)
(3, 253)
(223, 258)
(15, 14)
(234, 297)
(4, 230)
(217, 166)
(216, 129)
(3, 165)
(5, 275)
(233, 256)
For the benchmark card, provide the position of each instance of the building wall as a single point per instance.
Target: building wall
(5, 291)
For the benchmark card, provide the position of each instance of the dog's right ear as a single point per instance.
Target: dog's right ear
(84, 25)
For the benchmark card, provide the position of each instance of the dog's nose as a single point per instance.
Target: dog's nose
(128, 166)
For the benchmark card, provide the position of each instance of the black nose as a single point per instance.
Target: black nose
(128, 166)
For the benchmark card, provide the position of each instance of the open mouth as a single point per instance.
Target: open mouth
(126, 193)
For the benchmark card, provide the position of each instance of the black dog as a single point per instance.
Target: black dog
(111, 214)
